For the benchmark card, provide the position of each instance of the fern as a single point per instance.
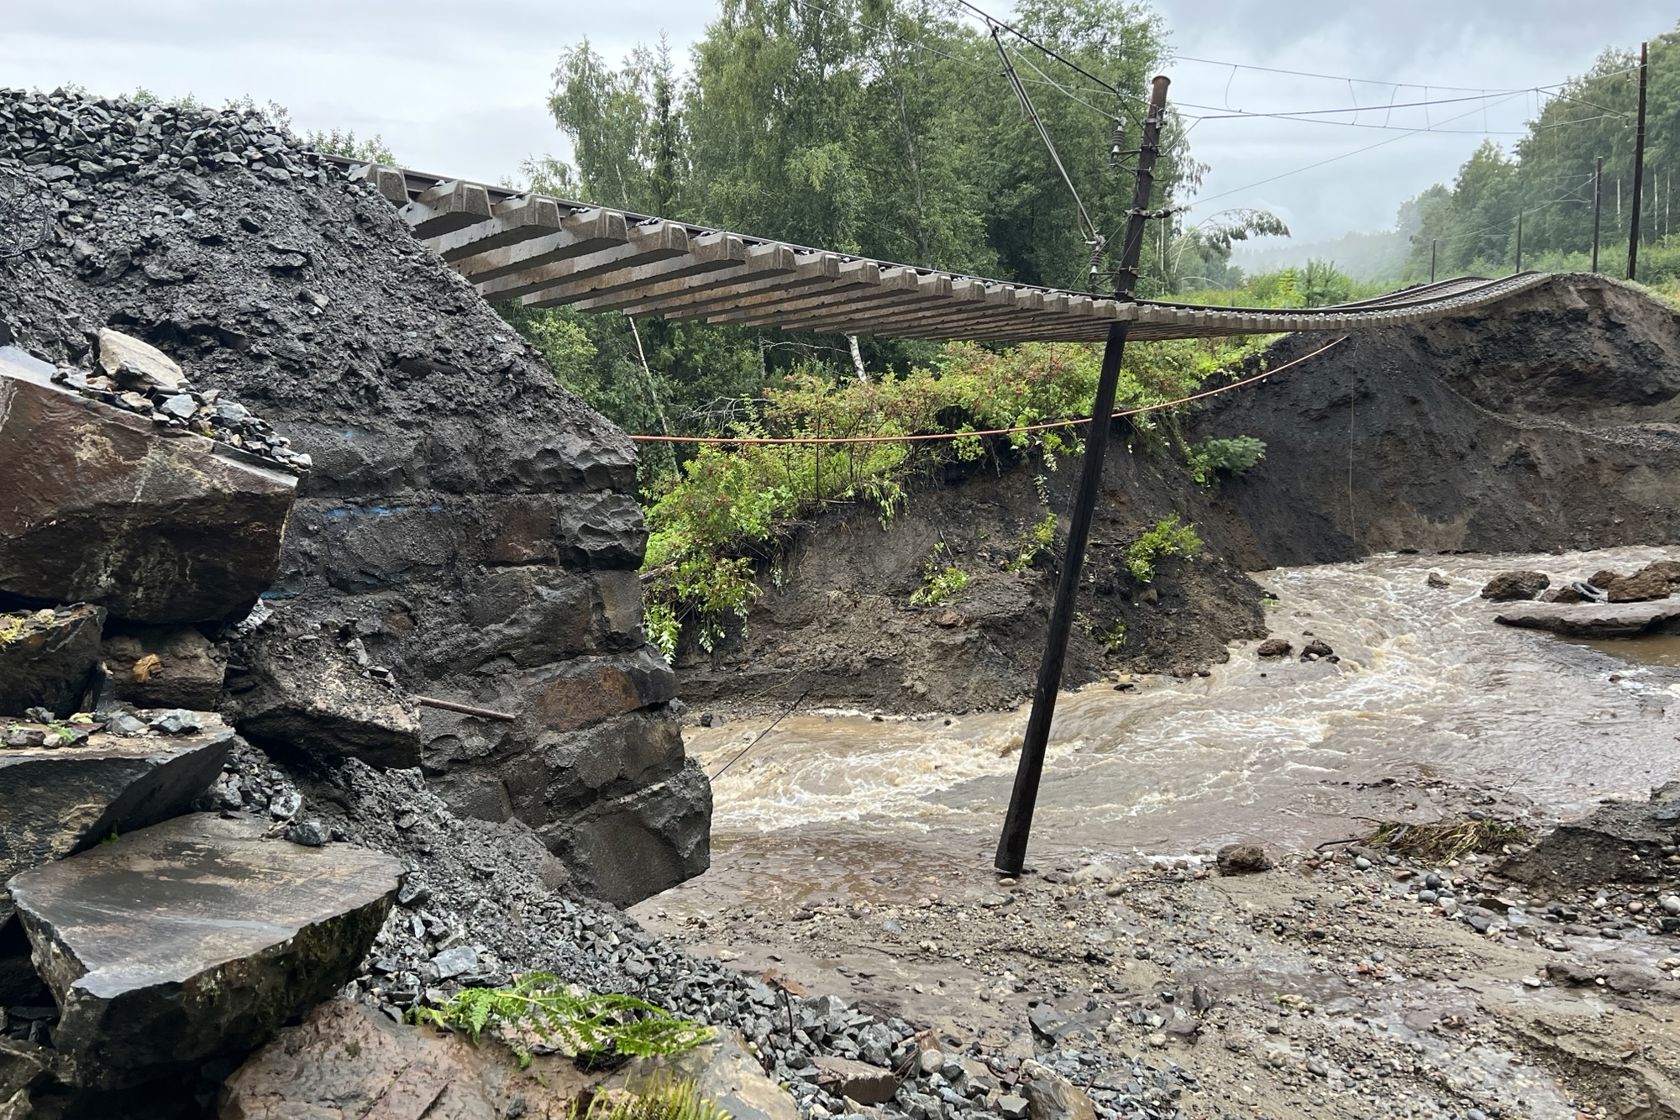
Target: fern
(589, 1025)
(666, 1100)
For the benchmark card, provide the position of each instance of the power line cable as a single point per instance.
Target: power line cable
(1334, 159)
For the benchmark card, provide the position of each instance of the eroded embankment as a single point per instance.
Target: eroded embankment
(1548, 421)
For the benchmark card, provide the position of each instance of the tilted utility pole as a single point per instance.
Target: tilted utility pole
(1017, 825)
(1432, 260)
(1638, 165)
(1598, 203)
(1519, 242)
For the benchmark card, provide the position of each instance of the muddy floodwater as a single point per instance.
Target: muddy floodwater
(1429, 694)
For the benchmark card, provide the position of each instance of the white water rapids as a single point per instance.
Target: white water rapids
(1430, 694)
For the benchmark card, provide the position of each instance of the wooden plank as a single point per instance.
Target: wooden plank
(583, 231)
(646, 242)
(889, 285)
(710, 252)
(446, 207)
(685, 299)
(513, 220)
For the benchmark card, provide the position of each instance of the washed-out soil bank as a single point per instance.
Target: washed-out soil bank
(1549, 421)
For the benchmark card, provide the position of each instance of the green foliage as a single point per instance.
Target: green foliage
(941, 582)
(725, 510)
(588, 1025)
(1211, 457)
(1035, 543)
(662, 1100)
(1168, 538)
(344, 142)
(1110, 637)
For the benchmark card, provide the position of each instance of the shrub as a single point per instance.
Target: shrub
(940, 581)
(1167, 538)
(588, 1025)
(1211, 457)
(1035, 543)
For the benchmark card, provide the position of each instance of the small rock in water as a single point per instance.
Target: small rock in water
(1274, 647)
(1670, 903)
(1438, 580)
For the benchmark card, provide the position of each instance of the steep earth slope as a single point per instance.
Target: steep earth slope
(1551, 420)
(473, 524)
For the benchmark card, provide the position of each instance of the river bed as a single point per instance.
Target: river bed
(1429, 694)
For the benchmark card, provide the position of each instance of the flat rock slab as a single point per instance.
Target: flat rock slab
(103, 508)
(1594, 620)
(56, 802)
(194, 939)
(1619, 842)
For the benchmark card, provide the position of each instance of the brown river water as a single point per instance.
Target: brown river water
(1433, 708)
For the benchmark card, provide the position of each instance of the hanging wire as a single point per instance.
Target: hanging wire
(1093, 236)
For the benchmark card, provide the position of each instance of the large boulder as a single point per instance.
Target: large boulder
(313, 690)
(47, 658)
(102, 507)
(1595, 620)
(1654, 581)
(165, 667)
(195, 939)
(55, 801)
(1508, 587)
(723, 1070)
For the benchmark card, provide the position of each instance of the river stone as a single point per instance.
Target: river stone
(1595, 620)
(1511, 586)
(1652, 582)
(136, 364)
(195, 939)
(103, 509)
(47, 658)
(166, 667)
(305, 691)
(1242, 859)
(1050, 1096)
(1273, 647)
(55, 802)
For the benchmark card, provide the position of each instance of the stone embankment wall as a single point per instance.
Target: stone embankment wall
(465, 523)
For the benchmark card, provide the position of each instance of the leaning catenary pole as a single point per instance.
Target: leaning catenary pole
(1519, 242)
(1598, 203)
(1017, 825)
(1432, 260)
(1638, 165)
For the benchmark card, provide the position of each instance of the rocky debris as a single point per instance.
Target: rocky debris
(1508, 587)
(1438, 580)
(1243, 859)
(165, 667)
(1619, 842)
(1274, 647)
(473, 522)
(1595, 620)
(25, 1069)
(315, 689)
(141, 378)
(194, 939)
(1050, 1096)
(55, 801)
(858, 1081)
(1318, 649)
(107, 511)
(47, 658)
(1569, 593)
(138, 365)
(1654, 581)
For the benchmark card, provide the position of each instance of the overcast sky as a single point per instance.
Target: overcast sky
(459, 88)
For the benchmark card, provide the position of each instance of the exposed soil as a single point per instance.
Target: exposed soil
(1550, 421)
(1322, 988)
